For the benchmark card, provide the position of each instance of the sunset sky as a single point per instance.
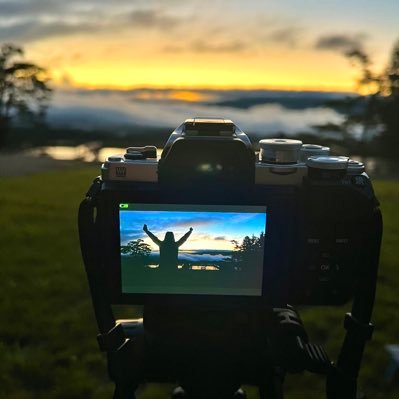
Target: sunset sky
(250, 44)
(211, 230)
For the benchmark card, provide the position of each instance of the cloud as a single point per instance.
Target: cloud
(341, 42)
(28, 21)
(14, 8)
(286, 35)
(55, 8)
(99, 110)
(203, 257)
(242, 217)
(32, 30)
(192, 222)
(222, 47)
(224, 40)
(153, 18)
(127, 236)
(31, 20)
(220, 238)
(201, 46)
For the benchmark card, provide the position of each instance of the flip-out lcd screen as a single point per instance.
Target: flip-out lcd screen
(192, 249)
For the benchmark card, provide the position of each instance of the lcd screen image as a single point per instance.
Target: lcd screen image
(192, 249)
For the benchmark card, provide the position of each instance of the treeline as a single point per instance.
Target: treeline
(25, 137)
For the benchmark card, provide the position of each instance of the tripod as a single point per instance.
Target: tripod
(272, 341)
(210, 363)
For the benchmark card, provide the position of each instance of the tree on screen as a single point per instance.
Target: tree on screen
(137, 249)
(24, 89)
(248, 253)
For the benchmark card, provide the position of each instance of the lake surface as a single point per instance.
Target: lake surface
(90, 152)
(379, 168)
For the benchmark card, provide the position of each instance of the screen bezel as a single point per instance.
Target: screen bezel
(280, 236)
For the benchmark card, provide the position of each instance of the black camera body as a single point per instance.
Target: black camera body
(320, 232)
(215, 240)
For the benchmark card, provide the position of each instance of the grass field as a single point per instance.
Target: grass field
(47, 329)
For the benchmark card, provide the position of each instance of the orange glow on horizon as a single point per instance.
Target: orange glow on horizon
(197, 244)
(276, 69)
(263, 45)
(190, 92)
(179, 95)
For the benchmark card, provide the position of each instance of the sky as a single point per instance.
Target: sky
(249, 44)
(211, 230)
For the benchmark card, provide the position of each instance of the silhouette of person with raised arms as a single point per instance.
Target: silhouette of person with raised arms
(168, 248)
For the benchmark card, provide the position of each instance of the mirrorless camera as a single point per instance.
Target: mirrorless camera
(214, 221)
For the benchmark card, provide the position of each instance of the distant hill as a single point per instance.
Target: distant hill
(288, 100)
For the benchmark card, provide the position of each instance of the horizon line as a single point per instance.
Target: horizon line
(309, 89)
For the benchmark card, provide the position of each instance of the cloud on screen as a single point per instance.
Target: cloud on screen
(203, 257)
(193, 222)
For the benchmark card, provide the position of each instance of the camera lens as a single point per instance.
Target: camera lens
(281, 151)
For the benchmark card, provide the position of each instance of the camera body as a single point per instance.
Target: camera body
(318, 234)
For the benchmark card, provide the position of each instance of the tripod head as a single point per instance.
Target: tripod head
(211, 356)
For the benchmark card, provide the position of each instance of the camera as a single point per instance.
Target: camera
(212, 221)
(216, 237)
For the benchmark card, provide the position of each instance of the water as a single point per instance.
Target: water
(90, 152)
(379, 168)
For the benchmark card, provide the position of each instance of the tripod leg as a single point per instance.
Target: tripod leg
(122, 393)
(272, 388)
(180, 393)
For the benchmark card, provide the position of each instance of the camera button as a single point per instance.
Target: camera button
(359, 181)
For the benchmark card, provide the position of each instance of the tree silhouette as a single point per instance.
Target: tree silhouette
(24, 88)
(136, 248)
(381, 107)
(384, 83)
(249, 252)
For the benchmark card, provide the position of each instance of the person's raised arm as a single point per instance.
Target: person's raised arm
(184, 238)
(152, 236)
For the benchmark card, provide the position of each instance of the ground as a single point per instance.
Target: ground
(19, 164)
(47, 336)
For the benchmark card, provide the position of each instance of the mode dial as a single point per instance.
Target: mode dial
(281, 151)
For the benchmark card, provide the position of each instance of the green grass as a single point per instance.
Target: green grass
(47, 328)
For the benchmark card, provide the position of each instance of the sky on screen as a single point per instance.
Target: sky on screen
(211, 230)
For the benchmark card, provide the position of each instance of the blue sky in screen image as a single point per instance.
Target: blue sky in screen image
(211, 230)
